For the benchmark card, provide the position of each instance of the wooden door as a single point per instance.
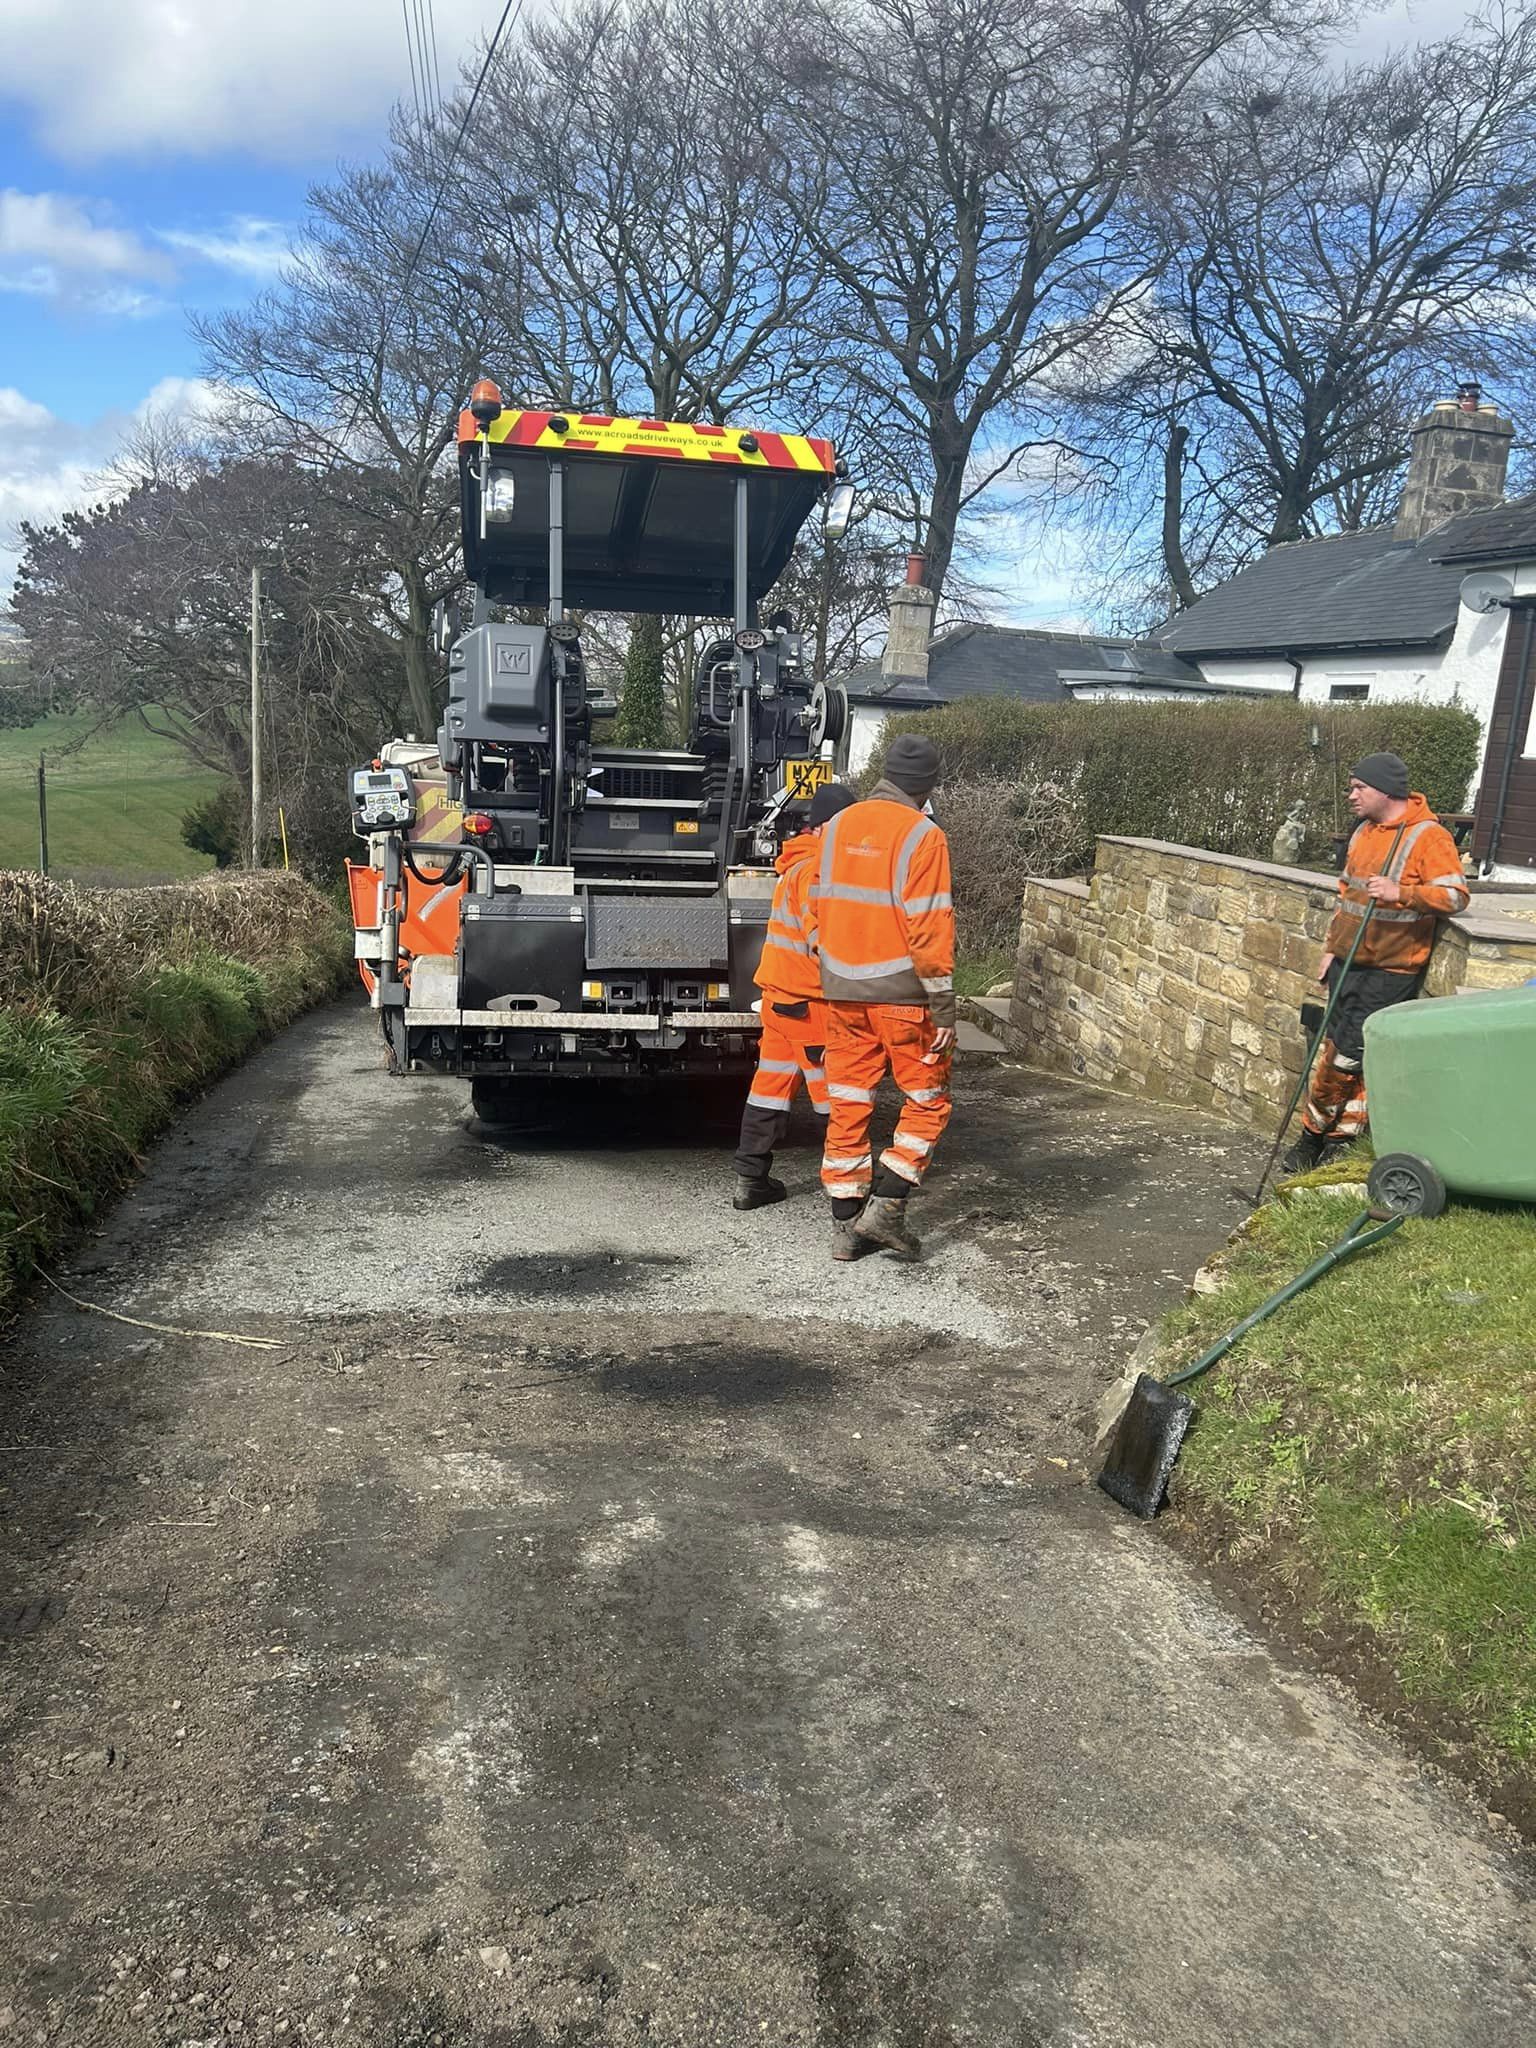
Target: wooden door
(1505, 829)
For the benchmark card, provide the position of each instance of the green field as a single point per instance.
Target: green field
(114, 807)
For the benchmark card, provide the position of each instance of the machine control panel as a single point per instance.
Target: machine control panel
(381, 800)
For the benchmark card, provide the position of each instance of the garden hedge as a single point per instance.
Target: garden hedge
(1218, 775)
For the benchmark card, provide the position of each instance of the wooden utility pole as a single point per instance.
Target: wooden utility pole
(42, 813)
(256, 792)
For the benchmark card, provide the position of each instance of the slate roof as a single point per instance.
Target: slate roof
(1026, 663)
(1351, 590)
(1505, 533)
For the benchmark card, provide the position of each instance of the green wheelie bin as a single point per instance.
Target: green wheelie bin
(1451, 1084)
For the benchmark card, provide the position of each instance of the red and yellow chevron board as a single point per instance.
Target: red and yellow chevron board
(597, 433)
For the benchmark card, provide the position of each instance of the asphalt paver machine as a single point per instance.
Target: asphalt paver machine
(537, 905)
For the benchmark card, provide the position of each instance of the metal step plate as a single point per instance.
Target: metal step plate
(663, 934)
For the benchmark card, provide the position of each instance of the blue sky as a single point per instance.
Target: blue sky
(154, 157)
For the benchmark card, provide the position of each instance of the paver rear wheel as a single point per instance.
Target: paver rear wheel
(1405, 1185)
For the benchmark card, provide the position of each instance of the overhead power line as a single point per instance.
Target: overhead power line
(511, 14)
(410, 53)
(431, 47)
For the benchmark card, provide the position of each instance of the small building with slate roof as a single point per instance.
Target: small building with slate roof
(1436, 608)
(1439, 607)
(1032, 666)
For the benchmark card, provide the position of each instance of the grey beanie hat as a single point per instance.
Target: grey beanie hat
(912, 763)
(1385, 772)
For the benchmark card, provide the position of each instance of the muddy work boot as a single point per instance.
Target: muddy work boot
(757, 1194)
(846, 1242)
(884, 1223)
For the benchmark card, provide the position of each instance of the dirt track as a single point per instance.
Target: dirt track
(602, 1621)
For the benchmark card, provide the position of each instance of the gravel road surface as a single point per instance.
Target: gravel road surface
(602, 1621)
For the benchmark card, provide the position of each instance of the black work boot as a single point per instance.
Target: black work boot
(757, 1194)
(1305, 1153)
(884, 1223)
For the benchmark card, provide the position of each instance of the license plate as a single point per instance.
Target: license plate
(804, 778)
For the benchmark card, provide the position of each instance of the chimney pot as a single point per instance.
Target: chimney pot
(911, 627)
(1460, 453)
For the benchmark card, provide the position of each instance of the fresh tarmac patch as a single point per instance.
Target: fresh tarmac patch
(497, 1674)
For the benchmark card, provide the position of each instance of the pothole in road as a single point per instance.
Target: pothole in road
(522, 1274)
(706, 1374)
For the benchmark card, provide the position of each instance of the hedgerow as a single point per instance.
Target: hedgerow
(1219, 775)
(115, 1005)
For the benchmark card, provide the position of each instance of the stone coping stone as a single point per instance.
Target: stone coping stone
(1272, 871)
(1063, 884)
(1477, 924)
(1504, 931)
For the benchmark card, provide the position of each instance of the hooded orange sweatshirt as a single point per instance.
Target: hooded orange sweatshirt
(1428, 868)
(788, 968)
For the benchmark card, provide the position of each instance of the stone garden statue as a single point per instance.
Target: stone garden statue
(1291, 837)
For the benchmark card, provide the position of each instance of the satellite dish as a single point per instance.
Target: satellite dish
(1485, 590)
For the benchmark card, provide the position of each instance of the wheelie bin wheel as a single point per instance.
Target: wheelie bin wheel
(1405, 1185)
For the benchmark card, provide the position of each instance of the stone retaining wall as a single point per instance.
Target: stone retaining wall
(1180, 973)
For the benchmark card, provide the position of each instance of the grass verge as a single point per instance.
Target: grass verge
(1369, 1456)
(977, 972)
(117, 1005)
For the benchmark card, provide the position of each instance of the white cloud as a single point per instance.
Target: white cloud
(50, 229)
(283, 79)
(43, 469)
(189, 399)
(20, 415)
(253, 247)
(48, 464)
(54, 247)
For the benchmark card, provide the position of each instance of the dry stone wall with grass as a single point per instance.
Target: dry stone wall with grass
(1179, 973)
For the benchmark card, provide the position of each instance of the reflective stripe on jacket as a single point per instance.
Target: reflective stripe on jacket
(1425, 864)
(883, 918)
(788, 963)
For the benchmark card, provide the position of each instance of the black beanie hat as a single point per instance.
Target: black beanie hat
(912, 763)
(829, 799)
(1385, 772)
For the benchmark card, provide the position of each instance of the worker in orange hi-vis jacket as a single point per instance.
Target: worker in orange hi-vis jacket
(884, 926)
(794, 1016)
(1402, 860)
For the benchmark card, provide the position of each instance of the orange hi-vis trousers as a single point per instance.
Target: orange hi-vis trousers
(790, 1050)
(864, 1041)
(1335, 1106)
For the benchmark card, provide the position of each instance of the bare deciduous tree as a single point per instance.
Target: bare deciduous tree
(357, 365)
(139, 606)
(1338, 247)
(961, 165)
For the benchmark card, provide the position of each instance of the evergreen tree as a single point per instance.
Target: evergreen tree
(642, 719)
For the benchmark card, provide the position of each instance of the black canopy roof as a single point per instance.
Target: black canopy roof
(641, 534)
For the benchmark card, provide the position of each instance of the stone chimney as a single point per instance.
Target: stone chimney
(1460, 454)
(911, 627)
